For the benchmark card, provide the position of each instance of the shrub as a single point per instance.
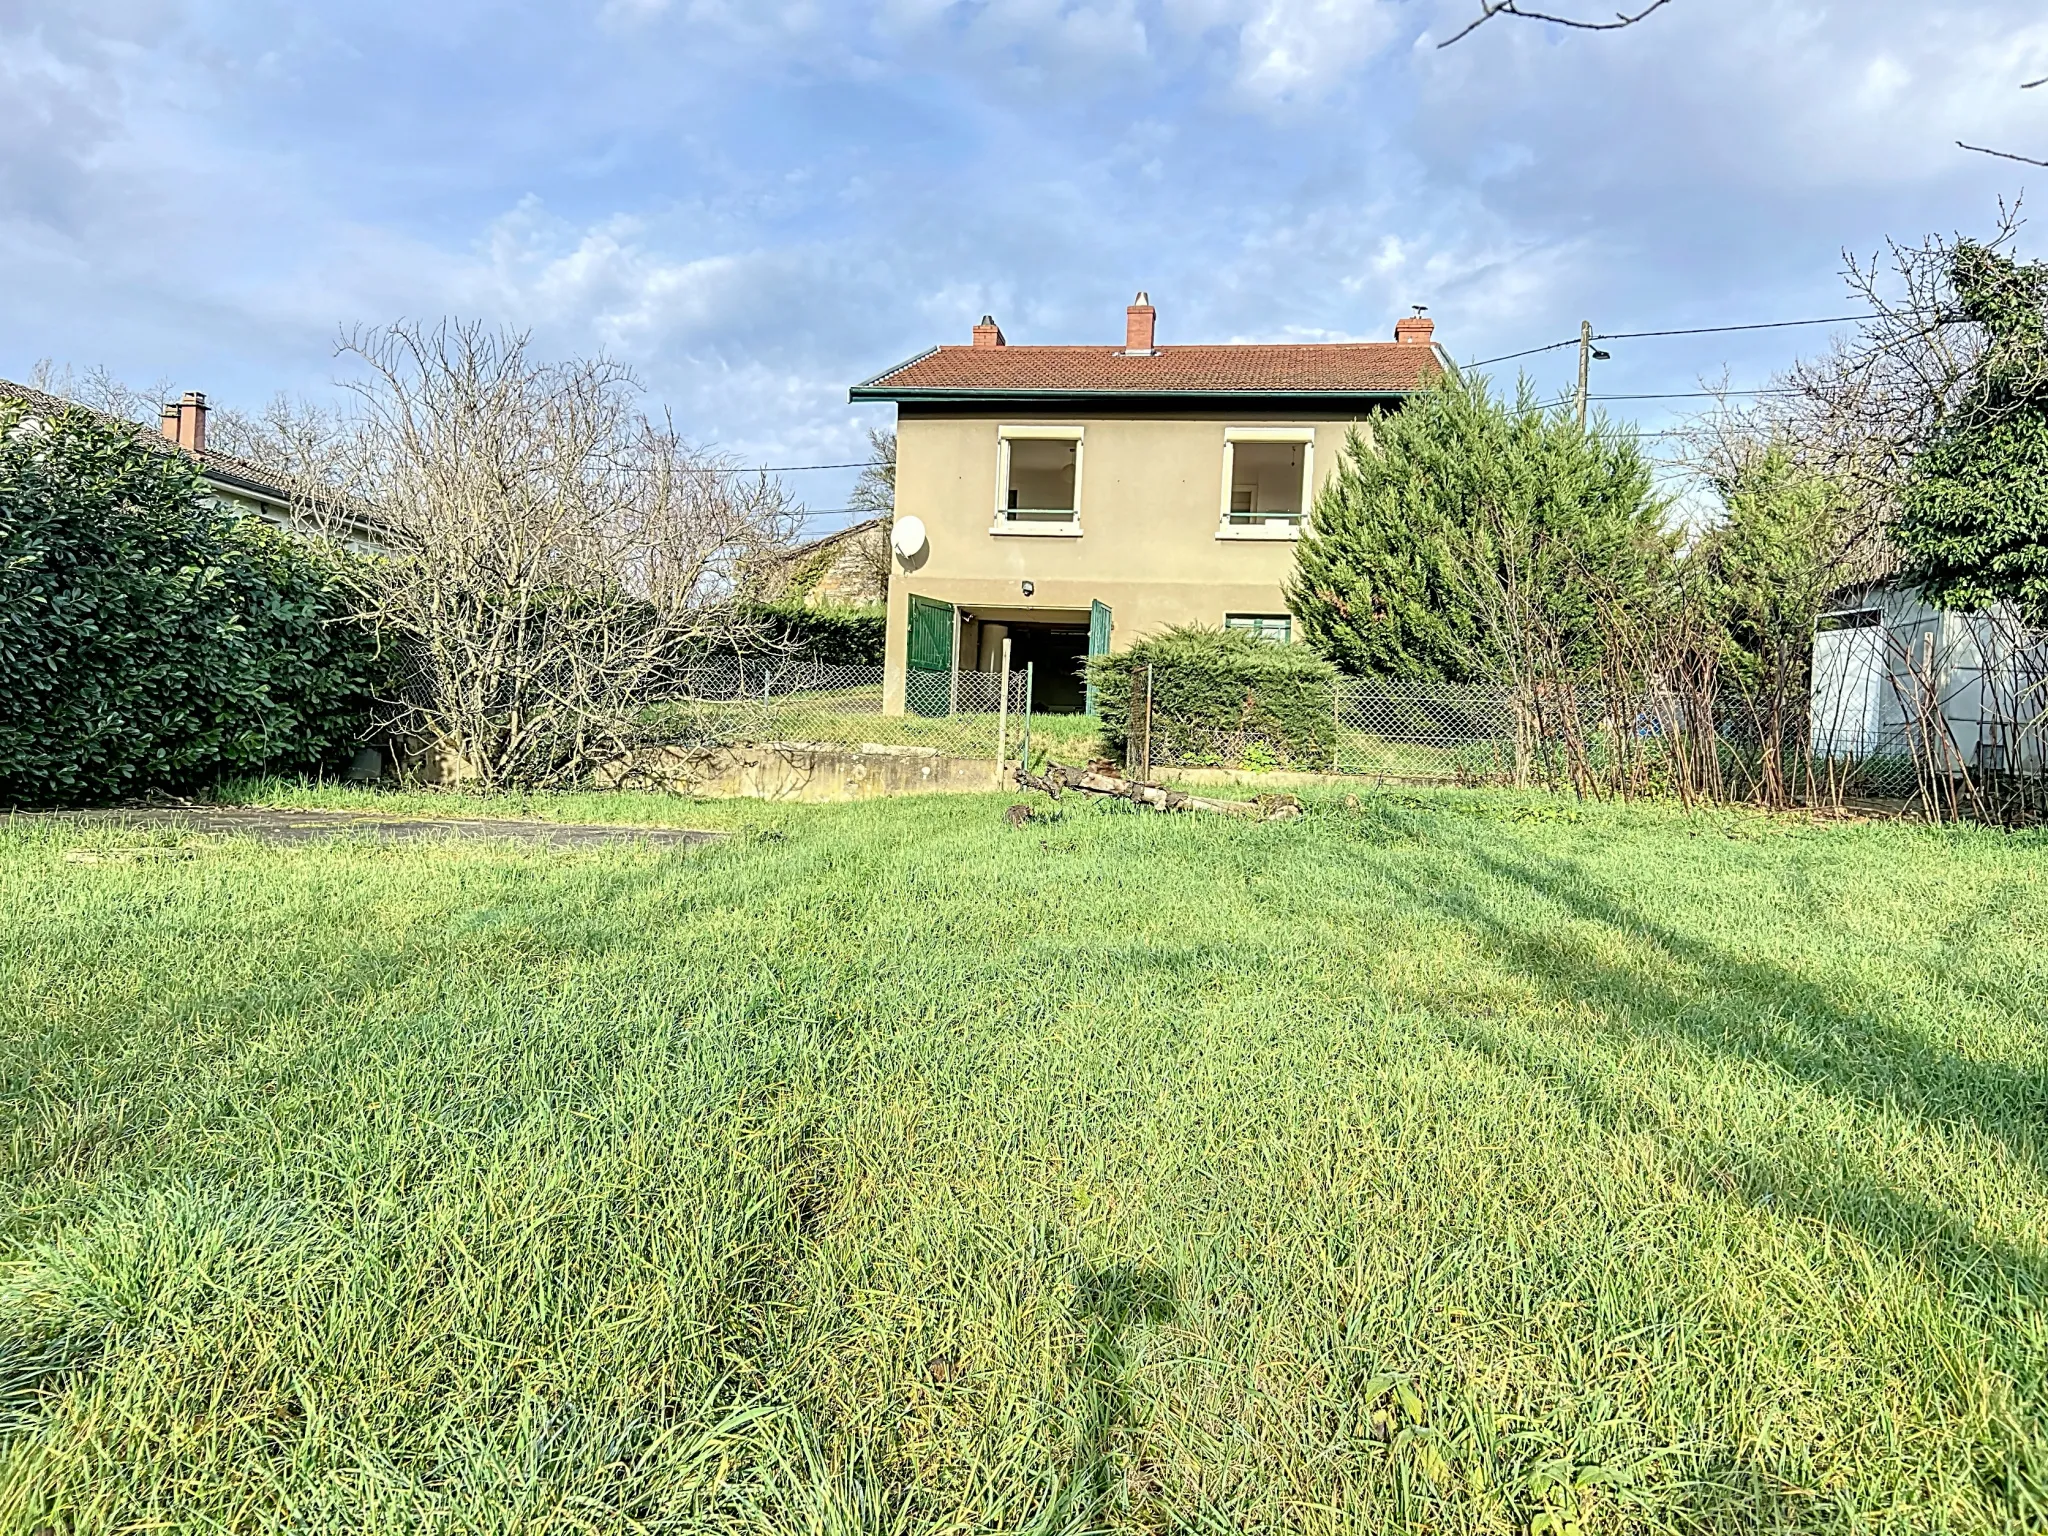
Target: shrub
(1222, 696)
(149, 639)
(837, 637)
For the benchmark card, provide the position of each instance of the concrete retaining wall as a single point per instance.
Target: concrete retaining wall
(815, 773)
(820, 773)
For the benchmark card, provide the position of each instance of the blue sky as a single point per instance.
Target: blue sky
(758, 204)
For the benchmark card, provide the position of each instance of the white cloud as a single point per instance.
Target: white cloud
(1295, 47)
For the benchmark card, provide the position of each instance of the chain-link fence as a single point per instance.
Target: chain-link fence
(1443, 732)
(1901, 746)
(852, 690)
(964, 693)
(762, 701)
(1730, 746)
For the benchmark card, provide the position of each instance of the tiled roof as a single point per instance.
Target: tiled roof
(222, 468)
(1325, 368)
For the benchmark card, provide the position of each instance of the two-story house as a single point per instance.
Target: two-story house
(1068, 499)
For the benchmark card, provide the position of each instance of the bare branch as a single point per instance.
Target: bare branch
(1492, 8)
(1979, 149)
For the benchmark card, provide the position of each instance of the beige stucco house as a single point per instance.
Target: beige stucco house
(1074, 499)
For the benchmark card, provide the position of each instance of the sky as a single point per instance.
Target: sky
(757, 205)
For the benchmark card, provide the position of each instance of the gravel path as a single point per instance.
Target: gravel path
(272, 826)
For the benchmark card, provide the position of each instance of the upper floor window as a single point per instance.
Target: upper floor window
(1038, 480)
(1268, 480)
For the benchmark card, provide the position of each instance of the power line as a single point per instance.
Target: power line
(1508, 357)
(1697, 394)
(1695, 330)
(1712, 330)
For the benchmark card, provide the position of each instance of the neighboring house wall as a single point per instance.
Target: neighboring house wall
(1894, 675)
(848, 569)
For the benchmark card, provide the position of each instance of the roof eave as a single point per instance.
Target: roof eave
(876, 391)
(890, 373)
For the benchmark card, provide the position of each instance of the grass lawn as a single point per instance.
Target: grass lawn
(1448, 1162)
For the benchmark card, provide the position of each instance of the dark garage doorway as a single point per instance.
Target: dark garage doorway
(1058, 657)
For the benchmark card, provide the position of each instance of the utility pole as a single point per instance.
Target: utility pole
(1585, 367)
(1588, 356)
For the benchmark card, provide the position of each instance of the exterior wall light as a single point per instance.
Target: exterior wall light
(1029, 589)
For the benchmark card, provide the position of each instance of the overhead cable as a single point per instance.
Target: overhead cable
(1694, 330)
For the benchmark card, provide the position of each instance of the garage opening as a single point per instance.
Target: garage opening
(1055, 649)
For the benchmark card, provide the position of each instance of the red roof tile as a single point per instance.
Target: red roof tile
(1324, 368)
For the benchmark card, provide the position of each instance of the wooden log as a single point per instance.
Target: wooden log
(1155, 797)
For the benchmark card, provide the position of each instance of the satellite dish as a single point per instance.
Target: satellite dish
(907, 537)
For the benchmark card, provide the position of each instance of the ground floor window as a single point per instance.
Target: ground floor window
(1275, 627)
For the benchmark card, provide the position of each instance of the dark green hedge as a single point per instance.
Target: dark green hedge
(839, 637)
(150, 641)
(1223, 697)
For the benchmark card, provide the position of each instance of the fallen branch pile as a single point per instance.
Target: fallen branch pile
(1056, 780)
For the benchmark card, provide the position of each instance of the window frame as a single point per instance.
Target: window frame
(1002, 525)
(1256, 625)
(1232, 436)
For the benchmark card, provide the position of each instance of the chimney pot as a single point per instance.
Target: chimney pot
(1416, 331)
(988, 333)
(1140, 326)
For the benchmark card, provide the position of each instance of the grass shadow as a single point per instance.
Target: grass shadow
(1758, 1011)
(1108, 1304)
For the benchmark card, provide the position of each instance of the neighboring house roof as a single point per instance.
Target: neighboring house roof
(223, 469)
(826, 541)
(992, 368)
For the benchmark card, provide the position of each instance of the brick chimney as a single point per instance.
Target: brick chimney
(988, 333)
(184, 421)
(1140, 326)
(1415, 331)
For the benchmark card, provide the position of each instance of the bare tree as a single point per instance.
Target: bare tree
(875, 491)
(1862, 412)
(99, 390)
(297, 440)
(875, 494)
(555, 559)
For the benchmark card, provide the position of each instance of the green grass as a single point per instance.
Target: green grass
(1448, 1162)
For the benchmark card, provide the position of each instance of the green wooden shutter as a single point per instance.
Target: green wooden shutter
(926, 686)
(1098, 643)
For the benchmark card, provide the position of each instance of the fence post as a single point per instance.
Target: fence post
(1030, 698)
(953, 690)
(1003, 714)
(1145, 767)
(1336, 722)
